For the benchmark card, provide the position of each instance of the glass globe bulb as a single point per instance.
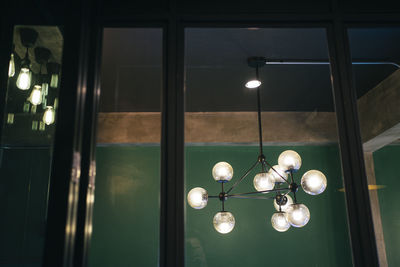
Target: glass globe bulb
(11, 67)
(24, 79)
(222, 172)
(298, 215)
(224, 222)
(289, 160)
(197, 198)
(284, 207)
(253, 84)
(263, 181)
(278, 174)
(279, 222)
(313, 182)
(36, 95)
(49, 115)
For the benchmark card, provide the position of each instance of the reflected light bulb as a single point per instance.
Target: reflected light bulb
(54, 81)
(279, 222)
(49, 115)
(36, 95)
(289, 160)
(253, 84)
(224, 222)
(275, 174)
(11, 67)
(283, 207)
(222, 172)
(298, 215)
(263, 181)
(313, 182)
(24, 79)
(197, 198)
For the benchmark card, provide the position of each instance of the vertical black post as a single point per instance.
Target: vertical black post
(259, 114)
(172, 146)
(355, 180)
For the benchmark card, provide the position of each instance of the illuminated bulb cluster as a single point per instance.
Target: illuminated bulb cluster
(288, 212)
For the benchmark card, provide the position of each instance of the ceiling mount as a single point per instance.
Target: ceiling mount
(28, 37)
(42, 55)
(255, 62)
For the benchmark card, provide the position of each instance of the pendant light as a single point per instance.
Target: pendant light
(28, 40)
(269, 179)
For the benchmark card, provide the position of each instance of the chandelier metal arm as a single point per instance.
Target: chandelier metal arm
(252, 197)
(269, 165)
(244, 176)
(259, 192)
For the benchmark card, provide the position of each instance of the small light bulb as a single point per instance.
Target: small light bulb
(11, 67)
(279, 222)
(313, 182)
(222, 172)
(289, 160)
(49, 115)
(36, 95)
(24, 79)
(298, 215)
(283, 207)
(54, 81)
(263, 181)
(224, 222)
(197, 198)
(253, 84)
(277, 172)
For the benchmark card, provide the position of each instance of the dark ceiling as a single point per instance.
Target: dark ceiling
(216, 68)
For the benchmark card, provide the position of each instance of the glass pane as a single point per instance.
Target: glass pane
(126, 208)
(376, 58)
(297, 113)
(26, 142)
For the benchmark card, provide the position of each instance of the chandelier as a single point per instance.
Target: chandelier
(277, 180)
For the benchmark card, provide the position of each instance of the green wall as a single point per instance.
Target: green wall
(126, 209)
(253, 242)
(386, 161)
(126, 213)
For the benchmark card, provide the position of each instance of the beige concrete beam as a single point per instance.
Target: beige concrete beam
(222, 127)
(375, 209)
(379, 113)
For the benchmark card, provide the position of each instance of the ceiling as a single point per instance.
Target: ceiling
(216, 68)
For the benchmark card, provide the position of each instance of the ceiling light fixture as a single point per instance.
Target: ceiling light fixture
(270, 179)
(28, 40)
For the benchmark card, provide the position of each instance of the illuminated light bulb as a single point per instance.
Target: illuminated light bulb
(253, 84)
(278, 174)
(222, 172)
(197, 198)
(313, 182)
(279, 222)
(11, 67)
(289, 160)
(54, 81)
(283, 207)
(263, 181)
(49, 115)
(36, 95)
(298, 215)
(24, 79)
(224, 222)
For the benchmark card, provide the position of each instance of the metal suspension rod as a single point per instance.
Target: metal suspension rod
(259, 114)
(326, 62)
(244, 176)
(259, 192)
